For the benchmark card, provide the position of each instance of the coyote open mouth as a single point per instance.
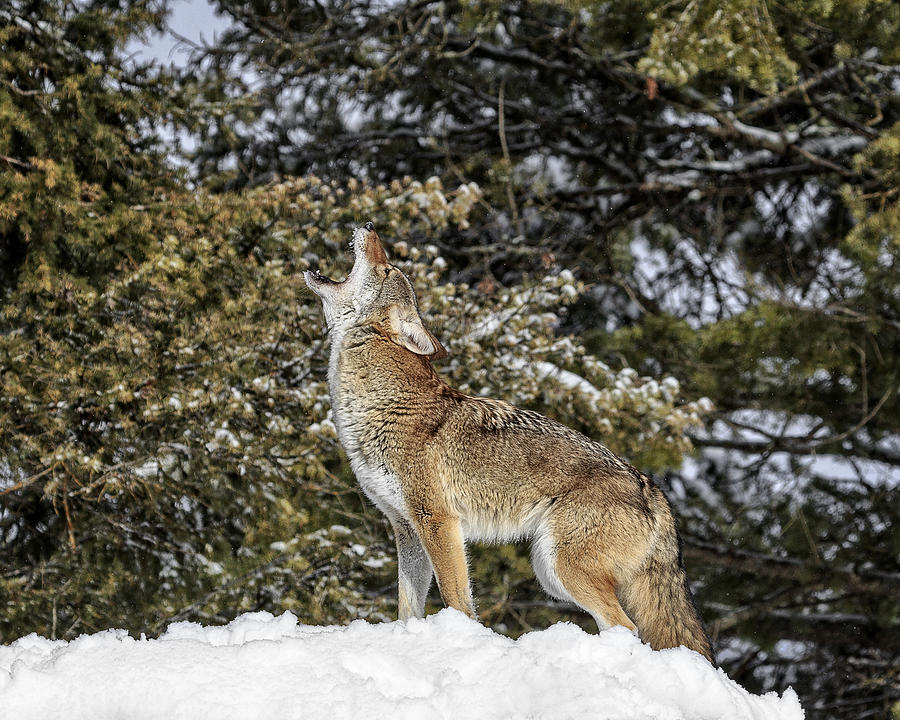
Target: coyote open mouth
(359, 247)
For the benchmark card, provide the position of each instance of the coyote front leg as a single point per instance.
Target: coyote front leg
(414, 570)
(441, 534)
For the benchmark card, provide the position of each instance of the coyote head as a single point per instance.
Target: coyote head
(375, 292)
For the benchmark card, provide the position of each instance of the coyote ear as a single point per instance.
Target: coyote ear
(407, 330)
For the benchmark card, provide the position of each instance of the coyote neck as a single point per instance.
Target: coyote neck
(382, 395)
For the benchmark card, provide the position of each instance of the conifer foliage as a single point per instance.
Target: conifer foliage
(671, 225)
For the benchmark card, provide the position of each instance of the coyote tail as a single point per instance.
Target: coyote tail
(659, 600)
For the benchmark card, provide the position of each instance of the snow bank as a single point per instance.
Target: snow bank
(445, 666)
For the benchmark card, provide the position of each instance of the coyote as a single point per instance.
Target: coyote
(446, 467)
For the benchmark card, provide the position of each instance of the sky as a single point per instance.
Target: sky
(193, 19)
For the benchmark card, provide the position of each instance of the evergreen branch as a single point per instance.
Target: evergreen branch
(868, 581)
(17, 163)
(732, 617)
(258, 571)
(787, 445)
(768, 103)
(30, 480)
(798, 445)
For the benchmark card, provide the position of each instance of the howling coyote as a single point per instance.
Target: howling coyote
(447, 467)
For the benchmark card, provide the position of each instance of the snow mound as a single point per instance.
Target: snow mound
(446, 666)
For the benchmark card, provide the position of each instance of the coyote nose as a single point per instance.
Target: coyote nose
(368, 242)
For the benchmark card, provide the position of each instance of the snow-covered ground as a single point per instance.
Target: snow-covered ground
(446, 666)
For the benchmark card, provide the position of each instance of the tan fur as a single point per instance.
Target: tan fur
(447, 467)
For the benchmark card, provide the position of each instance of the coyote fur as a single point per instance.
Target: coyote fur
(446, 467)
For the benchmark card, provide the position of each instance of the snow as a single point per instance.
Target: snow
(445, 666)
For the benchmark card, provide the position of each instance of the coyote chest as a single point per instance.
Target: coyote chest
(378, 482)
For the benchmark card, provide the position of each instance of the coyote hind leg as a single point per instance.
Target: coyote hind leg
(595, 591)
(576, 575)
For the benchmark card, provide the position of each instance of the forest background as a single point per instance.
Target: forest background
(673, 226)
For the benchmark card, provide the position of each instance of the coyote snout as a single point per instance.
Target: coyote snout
(447, 467)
